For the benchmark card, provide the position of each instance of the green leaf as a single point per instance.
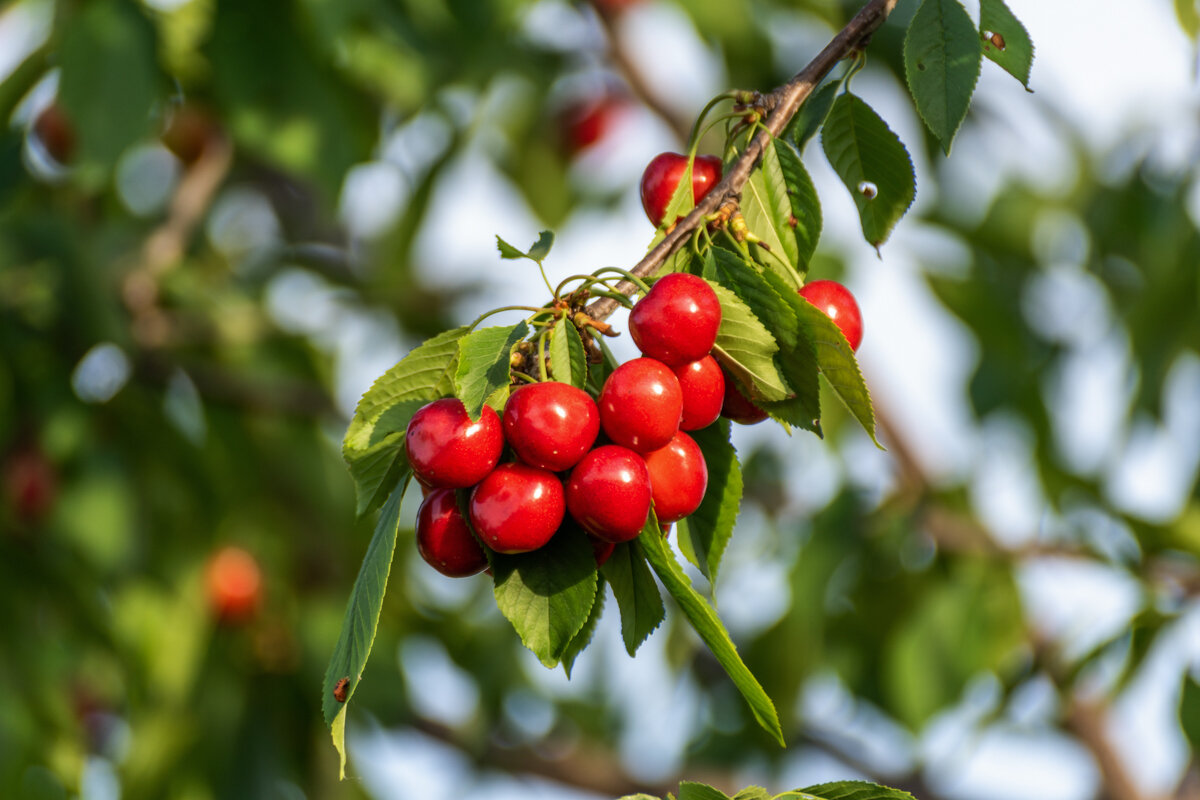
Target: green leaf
(688, 790)
(548, 594)
(1014, 49)
(582, 639)
(507, 251)
(361, 620)
(683, 199)
(483, 364)
(846, 790)
(771, 300)
(536, 253)
(811, 116)
(708, 626)
(639, 796)
(767, 210)
(873, 164)
(942, 56)
(1188, 14)
(835, 358)
(1189, 711)
(568, 362)
(745, 346)
(541, 248)
(109, 80)
(636, 592)
(753, 793)
(704, 534)
(374, 443)
(805, 220)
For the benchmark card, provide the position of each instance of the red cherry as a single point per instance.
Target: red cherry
(609, 493)
(677, 321)
(56, 133)
(601, 549)
(191, 129)
(703, 385)
(662, 175)
(839, 305)
(737, 407)
(551, 425)
(678, 478)
(443, 538)
(590, 120)
(234, 584)
(30, 484)
(641, 405)
(449, 451)
(517, 508)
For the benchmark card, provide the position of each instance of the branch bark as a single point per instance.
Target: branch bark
(786, 101)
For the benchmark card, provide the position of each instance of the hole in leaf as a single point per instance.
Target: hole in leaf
(868, 190)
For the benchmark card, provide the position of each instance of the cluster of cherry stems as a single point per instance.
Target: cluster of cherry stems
(598, 464)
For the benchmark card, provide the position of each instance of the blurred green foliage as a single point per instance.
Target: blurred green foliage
(153, 407)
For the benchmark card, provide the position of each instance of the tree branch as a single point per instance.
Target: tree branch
(786, 101)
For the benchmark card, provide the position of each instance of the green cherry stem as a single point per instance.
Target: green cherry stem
(542, 357)
(536, 312)
(627, 275)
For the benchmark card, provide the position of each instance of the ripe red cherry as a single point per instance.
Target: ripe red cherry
(601, 549)
(839, 305)
(56, 133)
(551, 425)
(677, 321)
(590, 120)
(449, 451)
(703, 385)
(678, 478)
(662, 175)
(234, 584)
(30, 484)
(517, 508)
(443, 538)
(609, 493)
(737, 407)
(641, 405)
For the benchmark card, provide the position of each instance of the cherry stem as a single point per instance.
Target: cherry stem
(537, 312)
(697, 134)
(788, 99)
(541, 357)
(633, 278)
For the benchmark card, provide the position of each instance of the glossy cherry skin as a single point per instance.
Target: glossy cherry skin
(703, 386)
(609, 493)
(443, 538)
(587, 122)
(449, 451)
(641, 405)
(737, 407)
(839, 305)
(234, 584)
(550, 425)
(663, 174)
(678, 478)
(517, 508)
(677, 321)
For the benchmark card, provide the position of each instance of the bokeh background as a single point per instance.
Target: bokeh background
(219, 221)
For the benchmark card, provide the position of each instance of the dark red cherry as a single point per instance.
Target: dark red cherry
(737, 407)
(443, 538)
(609, 493)
(517, 508)
(641, 405)
(550, 425)
(839, 305)
(663, 174)
(678, 478)
(703, 386)
(449, 451)
(601, 549)
(677, 321)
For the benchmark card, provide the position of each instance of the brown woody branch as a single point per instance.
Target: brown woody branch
(784, 103)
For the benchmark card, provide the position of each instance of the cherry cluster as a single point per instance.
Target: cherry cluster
(598, 464)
